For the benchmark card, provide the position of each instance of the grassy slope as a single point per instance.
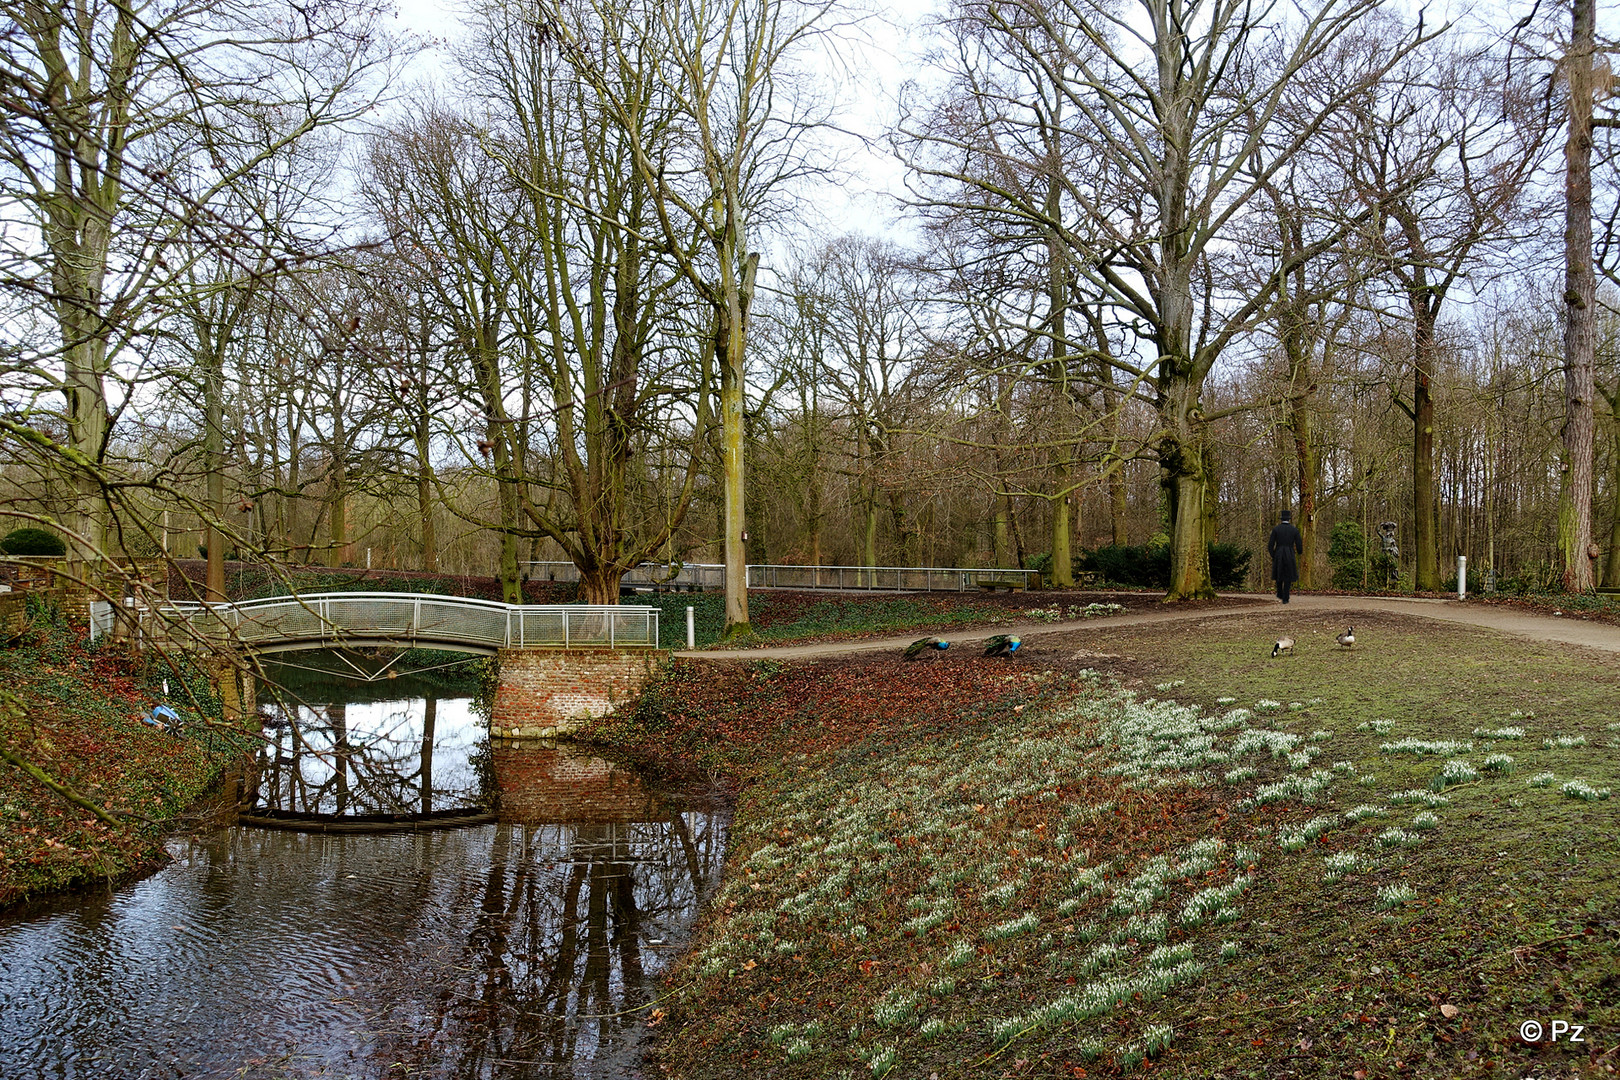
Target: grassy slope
(82, 728)
(970, 869)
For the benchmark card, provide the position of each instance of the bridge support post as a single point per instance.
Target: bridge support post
(237, 697)
(550, 693)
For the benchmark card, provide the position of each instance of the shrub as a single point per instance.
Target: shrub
(1148, 565)
(1355, 561)
(1229, 565)
(32, 541)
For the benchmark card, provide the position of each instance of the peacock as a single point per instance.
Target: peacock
(1001, 645)
(1283, 645)
(1348, 638)
(917, 648)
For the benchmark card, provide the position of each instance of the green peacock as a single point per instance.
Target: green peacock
(1001, 645)
(922, 645)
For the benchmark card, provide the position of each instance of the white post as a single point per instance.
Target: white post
(691, 630)
(1462, 577)
(368, 558)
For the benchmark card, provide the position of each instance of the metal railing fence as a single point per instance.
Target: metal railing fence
(410, 618)
(773, 576)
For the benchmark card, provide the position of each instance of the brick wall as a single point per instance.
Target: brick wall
(546, 782)
(545, 692)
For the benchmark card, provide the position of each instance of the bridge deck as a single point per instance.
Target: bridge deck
(463, 624)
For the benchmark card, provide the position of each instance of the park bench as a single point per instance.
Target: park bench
(994, 584)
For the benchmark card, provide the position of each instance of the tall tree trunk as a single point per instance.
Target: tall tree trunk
(424, 510)
(498, 437)
(599, 581)
(506, 494)
(1182, 456)
(1580, 292)
(1057, 298)
(732, 464)
(1020, 553)
(1000, 540)
(1297, 349)
(337, 547)
(869, 530)
(423, 434)
(905, 531)
(1189, 543)
(1611, 566)
(88, 426)
(731, 342)
(1062, 550)
(1118, 507)
(1310, 468)
(1427, 554)
(214, 465)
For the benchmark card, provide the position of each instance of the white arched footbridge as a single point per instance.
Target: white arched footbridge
(407, 620)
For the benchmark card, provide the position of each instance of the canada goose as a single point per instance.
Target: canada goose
(916, 648)
(1283, 645)
(1348, 638)
(1001, 645)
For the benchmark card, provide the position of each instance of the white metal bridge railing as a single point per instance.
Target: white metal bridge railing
(409, 618)
(772, 576)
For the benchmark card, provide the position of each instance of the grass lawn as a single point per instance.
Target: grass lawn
(1157, 850)
(782, 616)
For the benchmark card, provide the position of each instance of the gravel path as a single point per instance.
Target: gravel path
(1569, 630)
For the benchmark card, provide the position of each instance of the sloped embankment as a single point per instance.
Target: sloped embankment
(87, 790)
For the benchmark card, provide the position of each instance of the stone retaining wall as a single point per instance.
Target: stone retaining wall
(549, 692)
(13, 614)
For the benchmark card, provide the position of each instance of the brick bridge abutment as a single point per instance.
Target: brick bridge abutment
(548, 693)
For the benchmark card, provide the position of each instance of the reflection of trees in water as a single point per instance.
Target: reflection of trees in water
(314, 762)
(557, 952)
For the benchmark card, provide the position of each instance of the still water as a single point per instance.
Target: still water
(374, 757)
(514, 950)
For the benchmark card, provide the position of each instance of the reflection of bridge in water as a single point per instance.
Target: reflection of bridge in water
(592, 879)
(542, 781)
(547, 930)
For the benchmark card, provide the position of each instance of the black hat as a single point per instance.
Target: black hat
(1286, 516)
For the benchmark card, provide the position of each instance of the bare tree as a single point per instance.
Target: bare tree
(124, 124)
(867, 293)
(1187, 111)
(741, 112)
(1444, 152)
(1580, 305)
(599, 310)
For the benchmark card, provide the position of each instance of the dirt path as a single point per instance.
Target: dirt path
(1570, 630)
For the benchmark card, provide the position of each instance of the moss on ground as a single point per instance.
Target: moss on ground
(1195, 860)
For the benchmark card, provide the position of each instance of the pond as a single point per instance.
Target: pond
(529, 947)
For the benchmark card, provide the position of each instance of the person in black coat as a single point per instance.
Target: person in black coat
(1284, 545)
